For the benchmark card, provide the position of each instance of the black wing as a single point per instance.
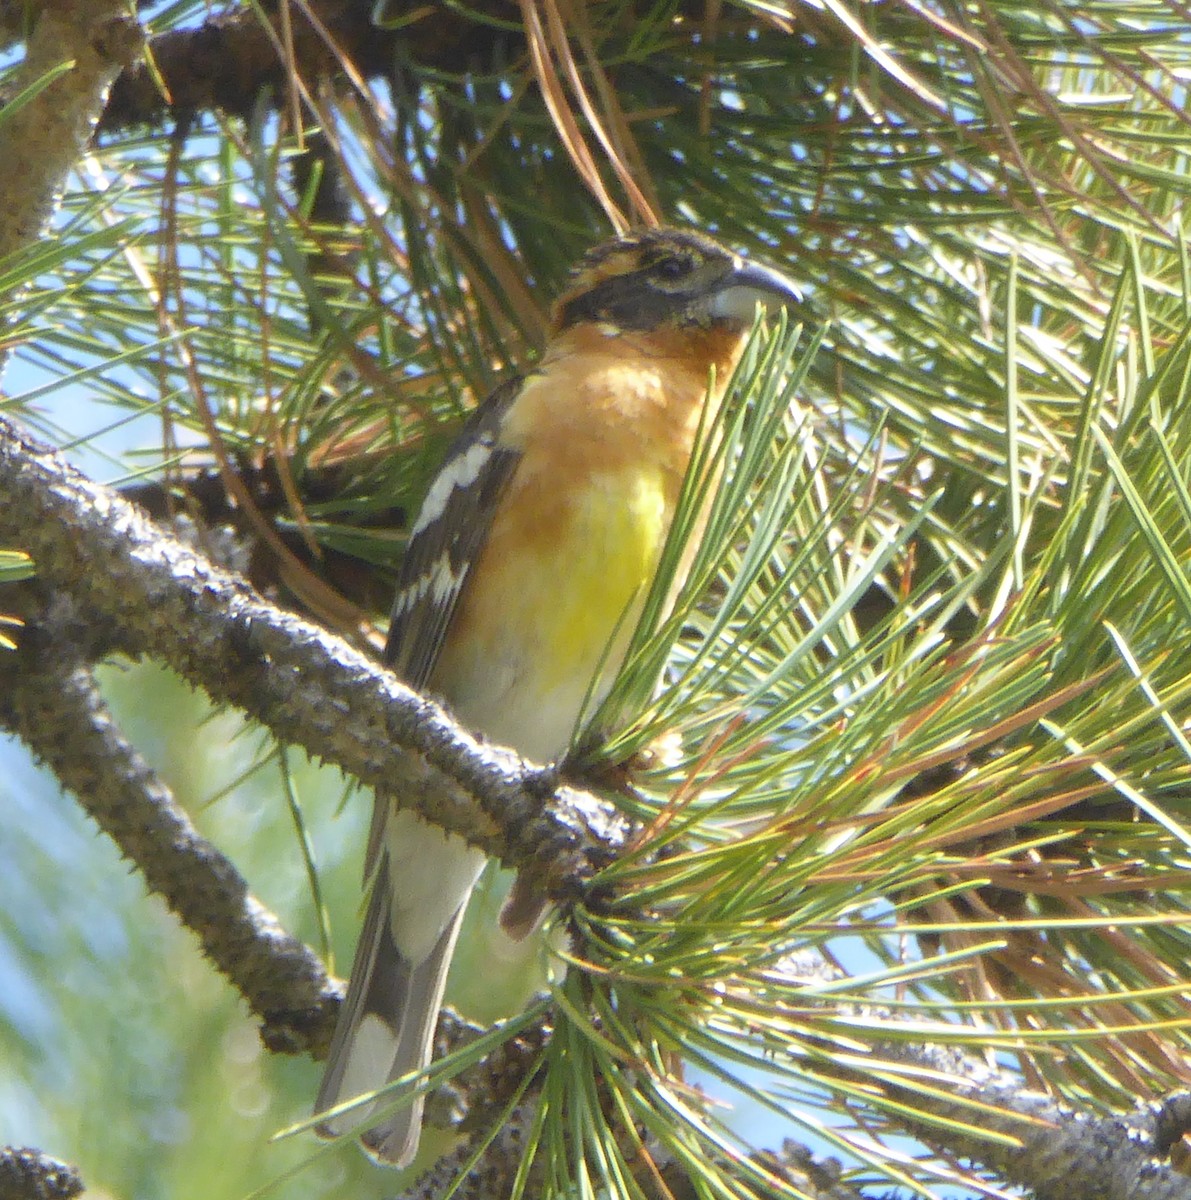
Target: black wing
(447, 538)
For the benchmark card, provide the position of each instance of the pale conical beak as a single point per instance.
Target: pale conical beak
(737, 296)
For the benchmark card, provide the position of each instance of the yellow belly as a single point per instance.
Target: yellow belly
(552, 602)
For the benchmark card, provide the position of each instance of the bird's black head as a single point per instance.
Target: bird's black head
(667, 278)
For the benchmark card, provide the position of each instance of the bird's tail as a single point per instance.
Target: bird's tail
(385, 1030)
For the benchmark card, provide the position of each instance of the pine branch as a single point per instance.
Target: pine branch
(145, 594)
(231, 58)
(990, 1117)
(60, 715)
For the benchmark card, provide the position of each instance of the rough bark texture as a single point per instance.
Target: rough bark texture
(30, 1175)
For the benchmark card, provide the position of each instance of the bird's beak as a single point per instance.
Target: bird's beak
(737, 295)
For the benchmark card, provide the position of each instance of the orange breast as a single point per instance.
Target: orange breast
(605, 438)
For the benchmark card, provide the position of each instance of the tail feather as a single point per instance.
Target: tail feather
(385, 1029)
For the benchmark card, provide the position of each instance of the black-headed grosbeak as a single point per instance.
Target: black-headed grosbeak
(536, 541)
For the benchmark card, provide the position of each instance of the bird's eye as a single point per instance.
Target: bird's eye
(673, 267)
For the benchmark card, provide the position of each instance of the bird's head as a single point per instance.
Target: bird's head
(666, 279)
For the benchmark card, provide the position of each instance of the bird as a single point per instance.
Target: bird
(534, 544)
